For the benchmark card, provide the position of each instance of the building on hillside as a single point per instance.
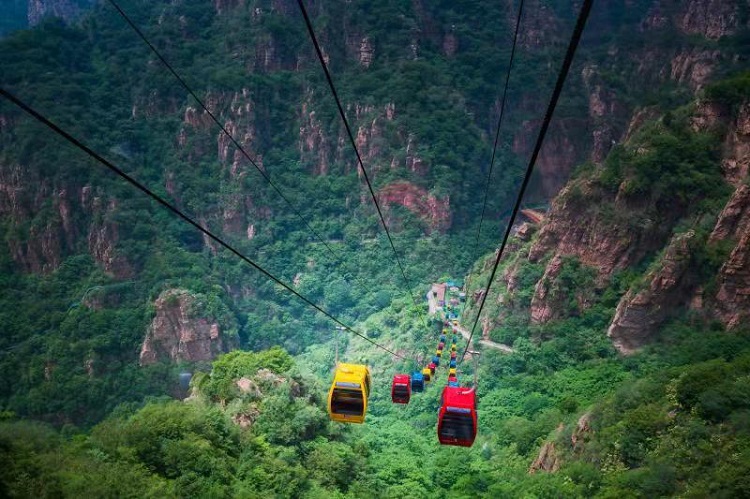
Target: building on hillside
(438, 291)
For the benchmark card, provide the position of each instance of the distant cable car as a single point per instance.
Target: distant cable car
(442, 338)
(401, 389)
(453, 347)
(452, 371)
(426, 374)
(347, 397)
(455, 339)
(439, 352)
(431, 366)
(441, 345)
(453, 355)
(417, 381)
(457, 419)
(436, 360)
(452, 364)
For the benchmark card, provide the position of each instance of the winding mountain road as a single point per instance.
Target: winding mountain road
(487, 343)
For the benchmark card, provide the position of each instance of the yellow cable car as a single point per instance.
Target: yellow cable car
(453, 347)
(438, 352)
(452, 371)
(347, 398)
(427, 373)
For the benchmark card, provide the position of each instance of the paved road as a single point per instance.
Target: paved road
(491, 344)
(487, 343)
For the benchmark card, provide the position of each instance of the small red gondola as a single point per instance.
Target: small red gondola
(401, 389)
(457, 419)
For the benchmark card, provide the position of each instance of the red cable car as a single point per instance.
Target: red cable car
(457, 419)
(401, 389)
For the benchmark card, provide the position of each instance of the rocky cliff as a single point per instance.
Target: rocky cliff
(179, 331)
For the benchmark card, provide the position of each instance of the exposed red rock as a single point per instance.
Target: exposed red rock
(547, 460)
(640, 312)
(736, 157)
(732, 301)
(177, 335)
(709, 18)
(436, 212)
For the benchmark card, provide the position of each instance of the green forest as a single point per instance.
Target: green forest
(646, 150)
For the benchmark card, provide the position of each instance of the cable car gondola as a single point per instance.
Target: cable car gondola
(452, 364)
(426, 374)
(347, 397)
(417, 381)
(457, 419)
(436, 361)
(401, 389)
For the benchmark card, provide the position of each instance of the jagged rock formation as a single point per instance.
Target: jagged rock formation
(417, 200)
(178, 335)
(547, 460)
(67, 10)
(639, 313)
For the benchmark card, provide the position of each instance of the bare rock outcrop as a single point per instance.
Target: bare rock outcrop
(732, 301)
(435, 211)
(177, 334)
(37, 10)
(711, 19)
(736, 155)
(640, 312)
(547, 460)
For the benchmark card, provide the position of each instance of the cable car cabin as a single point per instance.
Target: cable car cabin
(347, 398)
(436, 360)
(455, 339)
(452, 364)
(452, 371)
(453, 347)
(401, 389)
(426, 374)
(457, 419)
(431, 366)
(452, 377)
(454, 355)
(439, 352)
(442, 338)
(417, 382)
(441, 345)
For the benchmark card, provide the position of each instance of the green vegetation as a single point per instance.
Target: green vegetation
(84, 258)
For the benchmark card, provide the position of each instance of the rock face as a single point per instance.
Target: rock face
(640, 312)
(547, 460)
(436, 212)
(709, 18)
(63, 9)
(177, 335)
(731, 304)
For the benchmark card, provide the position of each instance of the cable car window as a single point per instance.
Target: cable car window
(457, 426)
(347, 402)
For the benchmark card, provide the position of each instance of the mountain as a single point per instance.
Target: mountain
(622, 306)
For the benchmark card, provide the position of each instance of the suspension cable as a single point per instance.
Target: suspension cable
(222, 127)
(176, 211)
(569, 55)
(335, 94)
(499, 124)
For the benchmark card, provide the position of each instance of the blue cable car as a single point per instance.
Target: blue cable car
(436, 360)
(417, 382)
(453, 364)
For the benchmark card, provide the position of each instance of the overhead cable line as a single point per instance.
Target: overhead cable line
(335, 94)
(222, 127)
(499, 124)
(497, 137)
(176, 211)
(569, 55)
